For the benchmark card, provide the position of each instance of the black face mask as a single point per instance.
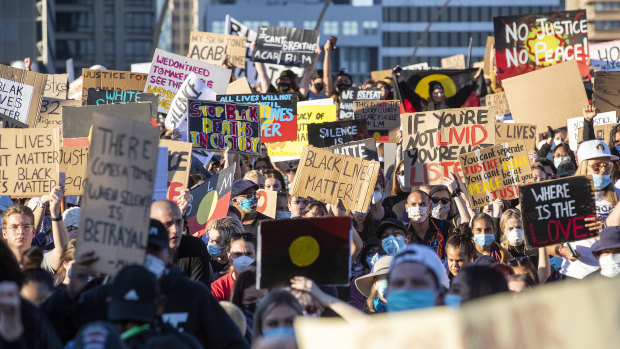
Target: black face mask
(282, 87)
(319, 86)
(341, 87)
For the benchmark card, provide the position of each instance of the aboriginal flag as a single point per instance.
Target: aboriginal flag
(317, 248)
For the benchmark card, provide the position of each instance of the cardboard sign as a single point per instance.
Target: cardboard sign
(508, 132)
(169, 71)
(602, 132)
(499, 102)
(453, 62)
(382, 117)
(546, 97)
(77, 121)
(306, 114)
(495, 172)
(348, 96)
(554, 211)
(28, 161)
(329, 177)
(8, 122)
(278, 114)
(606, 96)
(21, 93)
(433, 141)
(239, 86)
(489, 57)
(286, 46)
(50, 114)
(529, 42)
(73, 161)
(327, 134)
(267, 202)
(217, 126)
(211, 48)
(75, 89)
(317, 248)
(99, 97)
(209, 201)
(179, 165)
(365, 149)
(605, 55)
(114, 220)
(56, 86)
(575, 126)
(111, 80)
(193, 88)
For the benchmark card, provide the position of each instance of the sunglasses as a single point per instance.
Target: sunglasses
(443, 200)
(244, 236)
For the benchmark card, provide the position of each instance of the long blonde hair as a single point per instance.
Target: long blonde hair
(609, 194)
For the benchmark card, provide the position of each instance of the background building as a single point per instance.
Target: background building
(603, 18)
(181, 18)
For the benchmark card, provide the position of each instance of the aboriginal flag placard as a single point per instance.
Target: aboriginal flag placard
(317, 248)
(209, 200)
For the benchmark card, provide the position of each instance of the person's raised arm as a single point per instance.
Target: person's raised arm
(589, 112)
(346, 311)
(455, 191)
(304, 84)
(262, 72)
(544, 266)
(327, 69)
(59, 230)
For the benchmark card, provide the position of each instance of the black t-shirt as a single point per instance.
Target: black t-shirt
(435, 237)
(193, 259)
(396, 204)
(252, 228)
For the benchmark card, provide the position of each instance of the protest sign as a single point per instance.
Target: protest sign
(161, 175)
(365, 149)
(211, 48)
(327, 134)
(100, 96)
(114, 220)
(77, 121)
(278, 114)
(75, 89)
(50, 114)
(382, 117)
(348, 96)
(433, 141)
(606, 96)
(524, 43)
(508, 132)
(495, 172)
(140, 67)
(546, 97)
(28, 161)
(56, 86)
(21, 93)
(575, 126)
(179, 165)
(267, 202)
(317, 248)
(554, 211)
(329, 177)
(169, 71)
(215, 126)
(285, 46)
(111, 80)
(602, 132)
(499, 102)
(8, 122)
(239, 86)
(73, 162)
(605, 55)
(209, 200)
(453, 62)
(489, 57)
(306, 114)
(193, 88)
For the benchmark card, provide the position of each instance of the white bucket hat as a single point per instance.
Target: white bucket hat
(594, 149)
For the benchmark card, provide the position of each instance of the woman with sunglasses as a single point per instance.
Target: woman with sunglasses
(241, 254)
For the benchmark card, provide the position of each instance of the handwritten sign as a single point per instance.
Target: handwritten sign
(111, 80)
(602, 132)
(554, 211)
(338, 132)
(495, 172)
(605, 55)
(101, 96)
(329, 177)
(348, 96)
(179, 165)
(50, 114)
(383, 118)
(606, 96)
(211, 48)
(278, 114)
(499, 101)
(169, 71)
(217, 126)
(56, 86)
(239, 86)
(453, 62)
(286, 46)
(433, 141)
(21, 93)
(8, 122)
(508, 132)
(365, 149)
(575, 126)
(73, 161)
(114, 220)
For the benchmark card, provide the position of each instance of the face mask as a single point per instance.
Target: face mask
(279, 332)
(558, 161)
(617, 148)
(557, 142)
(484, 239)
(248, 205)
(381, 286)
(440, 210)
(610, 265)
(371, 260)
(401, 180)
(515, 237)
(214, 250)
(452, 300)
(417, 214)
(283, 214)
(318, 86)
(155, 265)
(379, 305)
(377, 196)
(283, 87)
(401, 300)
(241, 263)
(391, 245)
(600, 181)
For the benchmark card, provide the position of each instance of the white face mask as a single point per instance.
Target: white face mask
(377, 196)
(417, 214)
(515, 237)
(401, 180)
(440, 211)
(155, 265)
(610, 265)
(241, 263)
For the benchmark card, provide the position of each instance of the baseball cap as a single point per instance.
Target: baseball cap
(241, 185)
(134, 293)
(390, 222)
(609, 239)
(98, 335)
(594, 149)
(381, 267)
(158, 234)
(426, 256)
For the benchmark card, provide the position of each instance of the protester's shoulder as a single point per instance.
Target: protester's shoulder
(191, 243)
(262, 217)
(178, 279)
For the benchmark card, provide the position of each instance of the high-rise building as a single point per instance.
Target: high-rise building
(603, 18)
(180, 19)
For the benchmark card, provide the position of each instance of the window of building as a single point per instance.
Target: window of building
(74, 22)
(370, 27)
(606, 25)
(218, 27)
(139, 22)
(350, 28)
(607, 6)
(108, 21)
(330, 27)
(287, 24)
(108, 49)
(175, 19)
(137, 50)
(254, 24)
(309, 25)
(140, 3)
(77, 49)
(185, 19)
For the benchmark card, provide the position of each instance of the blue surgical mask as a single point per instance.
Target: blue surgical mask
(214, 250)
(381, 286)
(248, 205)
(380, 307)
(559, 160)
(617, 148)
(280, 331)
(391, 244)
(452, 300)
(600, 181)
(484, 239)
(283, 214)
(401, 300)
